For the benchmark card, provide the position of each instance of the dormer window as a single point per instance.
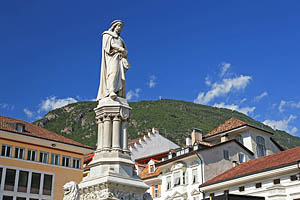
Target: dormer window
(151, 165)
(261, 147)
(20, 127)
(196, 147)
(151, 169)
(182, 152)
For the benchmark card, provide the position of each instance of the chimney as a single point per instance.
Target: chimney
(196, 135)
(224, 138)
(188, 141)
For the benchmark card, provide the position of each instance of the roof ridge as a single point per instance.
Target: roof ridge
(258, 163)
(36, 131)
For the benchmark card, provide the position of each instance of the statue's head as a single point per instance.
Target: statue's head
(116, 26)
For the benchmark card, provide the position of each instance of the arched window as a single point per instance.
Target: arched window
(260, 146)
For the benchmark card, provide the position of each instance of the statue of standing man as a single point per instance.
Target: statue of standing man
(114, 63)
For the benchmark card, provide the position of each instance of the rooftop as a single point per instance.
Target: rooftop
(230, 124)
(273, 161)
(36, 131)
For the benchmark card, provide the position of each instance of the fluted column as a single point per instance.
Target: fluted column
(125, 135)
(107, 132)
(116, 132)
(100, 134)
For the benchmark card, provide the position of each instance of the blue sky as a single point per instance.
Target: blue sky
(242, 55)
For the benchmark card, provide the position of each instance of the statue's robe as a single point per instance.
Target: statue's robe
(113, 66)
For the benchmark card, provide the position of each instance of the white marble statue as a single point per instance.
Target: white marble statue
(114, 63)
(71, 191)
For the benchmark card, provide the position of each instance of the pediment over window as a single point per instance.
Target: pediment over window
(195, 192)
(178, 165)
(177, 195)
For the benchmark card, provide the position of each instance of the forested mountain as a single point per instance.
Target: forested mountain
(173, 118)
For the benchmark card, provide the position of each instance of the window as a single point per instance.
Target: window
(20, 127)
(241, 157)
(195, 147)
(6, 150)
(260, 146)
(293, 178)
(242, 189)
(21, 198)
(176, 178)
(196, 198)
(184, 178)
(258, 185)
(155, 191)
(8, 198)
(170, 155)
(10, 179)
(226, 154)
(19, 152)
(35, 183)
(47, 186)
(31, 155)
(168, 182)
(239, 138)
(23, 181)
(195, 176)
(151, 168)
(276, 181)
(1, 175)
(55, 159)
(76, 163)
(65, 161)
(44, 157)
(178, 153)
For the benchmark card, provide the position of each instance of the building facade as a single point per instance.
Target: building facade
(275, 177)
(35, 163)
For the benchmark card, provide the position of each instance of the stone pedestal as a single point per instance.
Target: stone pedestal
(111, 173)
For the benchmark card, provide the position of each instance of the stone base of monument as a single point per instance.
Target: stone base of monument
(112, 173)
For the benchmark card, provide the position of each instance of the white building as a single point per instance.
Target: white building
(206, 156)
(275, 177)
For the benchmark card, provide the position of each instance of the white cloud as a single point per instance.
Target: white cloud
(52, 103)
(283, 124)
(152, 82)
(291, 104)
(6, 106)
(245, 110)
(207, 81)
(224, 68)
(243, 100)
(132, 94)
(258, 98)
(223, 88)
(28, 113)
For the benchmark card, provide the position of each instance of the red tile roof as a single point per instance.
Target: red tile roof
(36, 131)
(145, 173)
(258, 165)
(228, 125)
(204, 143)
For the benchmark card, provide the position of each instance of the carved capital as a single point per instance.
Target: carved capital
(125, 113)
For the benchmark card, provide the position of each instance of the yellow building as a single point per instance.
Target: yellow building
(35, 163)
